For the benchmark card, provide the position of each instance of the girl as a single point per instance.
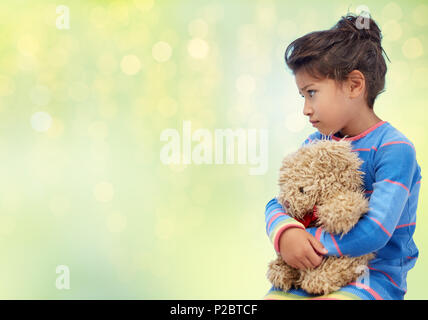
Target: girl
(340, 72)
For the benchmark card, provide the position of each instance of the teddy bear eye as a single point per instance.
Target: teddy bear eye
(301, 190)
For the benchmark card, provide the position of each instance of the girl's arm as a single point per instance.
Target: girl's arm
(277, 221)
(395, 168)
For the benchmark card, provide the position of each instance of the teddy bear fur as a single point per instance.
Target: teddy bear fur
(323, 173)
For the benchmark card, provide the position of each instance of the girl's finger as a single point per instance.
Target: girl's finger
(300, 266)
(308, 264)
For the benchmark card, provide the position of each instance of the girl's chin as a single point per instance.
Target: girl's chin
(326, 132)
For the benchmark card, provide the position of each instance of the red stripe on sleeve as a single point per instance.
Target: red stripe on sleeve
(398, 183)
(335, 244)
(381, 226)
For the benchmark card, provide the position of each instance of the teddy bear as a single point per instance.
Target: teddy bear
(321, 186)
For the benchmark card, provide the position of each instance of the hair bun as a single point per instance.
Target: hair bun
(359, 28)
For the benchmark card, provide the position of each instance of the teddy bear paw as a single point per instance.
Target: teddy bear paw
(281, 275)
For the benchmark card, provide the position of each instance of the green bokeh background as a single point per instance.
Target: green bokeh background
(84, 186)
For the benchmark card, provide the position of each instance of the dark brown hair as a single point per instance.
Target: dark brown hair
(335, 52)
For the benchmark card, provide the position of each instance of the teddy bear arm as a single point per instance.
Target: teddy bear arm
(339, 214)
(281, 275)
(333, 274)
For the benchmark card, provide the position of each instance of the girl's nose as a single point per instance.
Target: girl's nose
(307, 110)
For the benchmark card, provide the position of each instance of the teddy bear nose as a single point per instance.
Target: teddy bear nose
(287, 204)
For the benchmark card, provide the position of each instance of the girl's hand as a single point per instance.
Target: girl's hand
(300, 249)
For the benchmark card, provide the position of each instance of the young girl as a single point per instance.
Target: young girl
(340, 72)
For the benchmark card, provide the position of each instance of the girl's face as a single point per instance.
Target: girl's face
(325, 102)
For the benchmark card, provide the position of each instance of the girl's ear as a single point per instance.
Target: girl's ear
(356, 84)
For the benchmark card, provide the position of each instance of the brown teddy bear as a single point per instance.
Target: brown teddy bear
(321, 185)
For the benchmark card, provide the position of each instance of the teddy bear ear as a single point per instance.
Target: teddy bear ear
(335, 155)
(338, 159)
(343, 148)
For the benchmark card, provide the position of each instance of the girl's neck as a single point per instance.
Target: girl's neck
(359, 125)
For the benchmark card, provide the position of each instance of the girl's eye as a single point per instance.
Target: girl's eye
(311, 93)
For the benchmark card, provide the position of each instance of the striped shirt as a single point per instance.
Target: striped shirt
(392, 181)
